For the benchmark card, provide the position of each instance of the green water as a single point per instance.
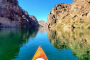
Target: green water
(58, 44)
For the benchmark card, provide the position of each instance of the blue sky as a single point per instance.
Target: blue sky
(40, 8)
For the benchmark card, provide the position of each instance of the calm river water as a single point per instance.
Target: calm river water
(58, 44)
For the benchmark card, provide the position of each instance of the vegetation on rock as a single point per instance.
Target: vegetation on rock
(72, 15)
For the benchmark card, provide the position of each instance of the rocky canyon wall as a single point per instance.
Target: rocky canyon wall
(12, 15)
(75, 15)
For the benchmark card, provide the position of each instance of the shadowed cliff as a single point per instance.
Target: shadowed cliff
(12, 15)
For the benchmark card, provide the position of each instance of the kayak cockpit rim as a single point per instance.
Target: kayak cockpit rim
(40, 59)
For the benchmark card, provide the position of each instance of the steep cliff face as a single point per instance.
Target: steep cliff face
(34, 21)
(57, 13)
(76, 14)
(12, 15)
(30, 18)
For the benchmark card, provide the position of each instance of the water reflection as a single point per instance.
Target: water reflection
(12, 39)
(75, 39)
(42, 29)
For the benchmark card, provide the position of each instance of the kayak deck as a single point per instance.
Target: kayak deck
(40, 54)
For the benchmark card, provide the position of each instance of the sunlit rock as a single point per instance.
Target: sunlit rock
(76, 14)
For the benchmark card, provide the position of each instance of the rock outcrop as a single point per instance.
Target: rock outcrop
(76, 15)
(34, 21)
(12, 15)
(42, 23)
(30, 18)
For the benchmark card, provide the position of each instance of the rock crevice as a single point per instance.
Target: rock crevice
(67, 15)
(12, 15)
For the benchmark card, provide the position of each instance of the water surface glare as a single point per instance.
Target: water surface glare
(58, 44)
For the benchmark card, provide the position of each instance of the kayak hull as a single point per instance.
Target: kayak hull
(40, 54)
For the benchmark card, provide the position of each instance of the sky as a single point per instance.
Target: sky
(40, 8)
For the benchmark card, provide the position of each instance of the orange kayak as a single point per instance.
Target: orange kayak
(40, 55)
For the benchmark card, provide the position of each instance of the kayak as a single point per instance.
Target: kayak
(40, 55)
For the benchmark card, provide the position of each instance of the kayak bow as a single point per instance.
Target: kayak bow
(40, 55)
